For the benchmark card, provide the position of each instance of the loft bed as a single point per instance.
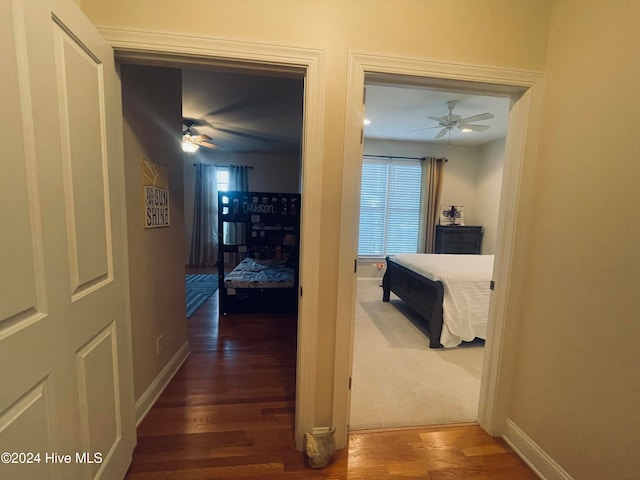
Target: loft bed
(258, 267)
(451, 293)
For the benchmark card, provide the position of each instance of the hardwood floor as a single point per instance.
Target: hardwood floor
(229, 413)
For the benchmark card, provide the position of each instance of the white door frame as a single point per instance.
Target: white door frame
(178, 50)
(524, 88)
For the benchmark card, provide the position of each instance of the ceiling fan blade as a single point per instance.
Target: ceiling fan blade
(475, 118)
(209, 145)
(439, 119)
(475, 128)
(442, 133)
(423, 128)
(202, 138)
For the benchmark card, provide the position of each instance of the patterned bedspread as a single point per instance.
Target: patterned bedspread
(259, 273)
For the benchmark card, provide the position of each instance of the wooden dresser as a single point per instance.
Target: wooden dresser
(458, 239)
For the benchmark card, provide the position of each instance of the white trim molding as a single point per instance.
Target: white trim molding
(540, 462)
(145, 47)
(153, 391)
(473, 79)
(515, 202)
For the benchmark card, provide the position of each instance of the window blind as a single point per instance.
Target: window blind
(222, 178)
(389, 207)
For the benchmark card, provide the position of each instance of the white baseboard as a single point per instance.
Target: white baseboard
(151, 394)
(540, 462)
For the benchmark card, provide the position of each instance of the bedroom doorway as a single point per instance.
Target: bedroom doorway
(397, 380)
(524, 93)
(303, 65)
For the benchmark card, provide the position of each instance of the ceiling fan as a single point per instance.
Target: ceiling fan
(451, 121)
(191, 141)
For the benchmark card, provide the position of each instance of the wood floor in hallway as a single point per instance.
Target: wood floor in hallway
(229, 414)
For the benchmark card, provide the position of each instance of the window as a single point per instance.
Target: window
(389, 207)
(222, 179)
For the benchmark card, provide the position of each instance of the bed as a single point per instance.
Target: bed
(451, 293)
(257, 273)
(260, 285)
(258, 252)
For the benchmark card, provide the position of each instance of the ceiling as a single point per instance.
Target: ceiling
(252, 113)
(245, 113)
(396, 112)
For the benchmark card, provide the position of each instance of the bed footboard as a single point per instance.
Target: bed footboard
(420, 293)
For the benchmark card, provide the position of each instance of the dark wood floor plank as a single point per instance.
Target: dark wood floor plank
(229, 413)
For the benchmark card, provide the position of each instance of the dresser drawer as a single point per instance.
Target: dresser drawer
(470, 248)
(456, 237)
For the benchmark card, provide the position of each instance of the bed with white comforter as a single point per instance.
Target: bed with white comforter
(466, 280)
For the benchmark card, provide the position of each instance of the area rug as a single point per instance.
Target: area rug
(397, 380)
(199, 288)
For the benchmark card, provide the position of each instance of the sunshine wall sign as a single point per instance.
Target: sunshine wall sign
(155, 190)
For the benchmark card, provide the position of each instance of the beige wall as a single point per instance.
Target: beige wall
(152, 106)
(577, 388)
(488, 189)
(503, 33)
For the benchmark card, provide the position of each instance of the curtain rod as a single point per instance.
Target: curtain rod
(211, 165)
(401, 158)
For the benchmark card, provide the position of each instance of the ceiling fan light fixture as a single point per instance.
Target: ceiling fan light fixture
(466, 130)
(188, 145)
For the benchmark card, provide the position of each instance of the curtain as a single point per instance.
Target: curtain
(204, 237)
(234, 233)
(238, 178)
(432, 175)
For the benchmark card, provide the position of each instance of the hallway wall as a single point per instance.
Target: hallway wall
(152, 125)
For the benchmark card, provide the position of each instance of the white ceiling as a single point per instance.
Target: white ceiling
(394, 111)
(245, 112)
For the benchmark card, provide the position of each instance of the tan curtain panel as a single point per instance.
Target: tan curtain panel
(432, 175)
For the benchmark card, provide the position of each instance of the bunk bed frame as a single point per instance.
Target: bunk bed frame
(258, 235)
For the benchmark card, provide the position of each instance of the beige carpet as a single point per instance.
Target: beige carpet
(397, 380)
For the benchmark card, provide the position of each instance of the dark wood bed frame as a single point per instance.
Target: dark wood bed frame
(420, 293)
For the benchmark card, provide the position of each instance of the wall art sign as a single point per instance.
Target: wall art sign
(155, 190)
(451, 214)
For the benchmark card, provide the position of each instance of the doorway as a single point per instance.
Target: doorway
(397, 380)
(308, 64)
(522, 88)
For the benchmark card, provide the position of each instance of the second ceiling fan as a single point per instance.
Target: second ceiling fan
(451, 121)
(191, 140)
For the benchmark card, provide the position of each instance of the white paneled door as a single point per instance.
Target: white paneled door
(66, 393)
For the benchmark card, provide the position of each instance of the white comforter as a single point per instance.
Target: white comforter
(466, 280)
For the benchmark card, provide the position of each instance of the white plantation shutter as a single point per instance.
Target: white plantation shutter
(389, 207)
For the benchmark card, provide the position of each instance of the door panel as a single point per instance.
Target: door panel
(65, 365)
(84, 164)
(20, 255)
(30, 413)
(99, 390)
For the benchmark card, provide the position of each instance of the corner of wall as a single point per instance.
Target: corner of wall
(533, 455)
